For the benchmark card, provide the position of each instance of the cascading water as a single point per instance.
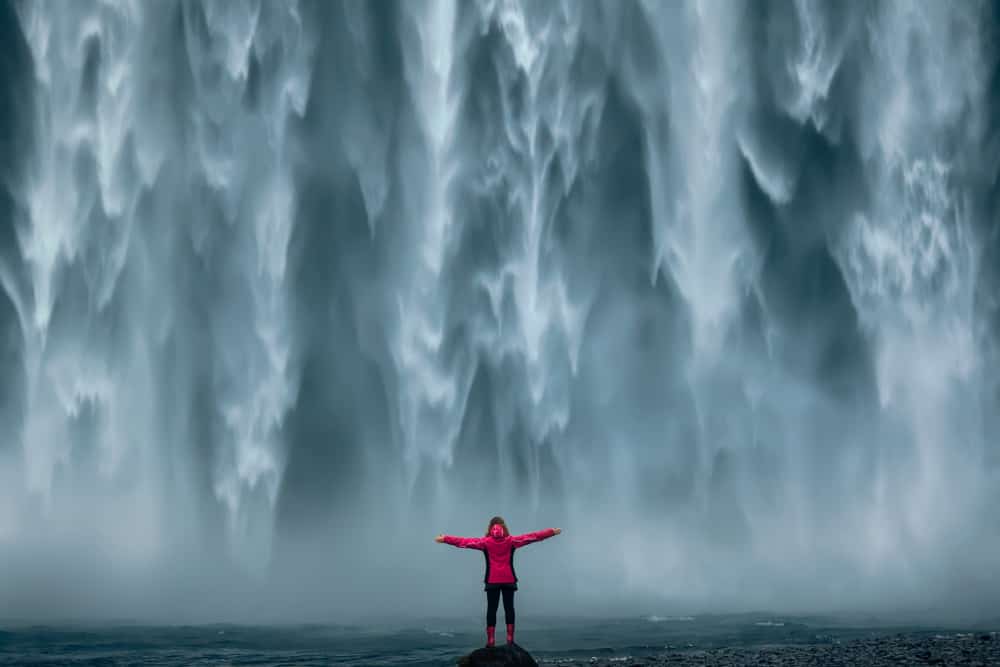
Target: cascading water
(290, 287)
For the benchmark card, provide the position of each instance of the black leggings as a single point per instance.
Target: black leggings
(493, 600)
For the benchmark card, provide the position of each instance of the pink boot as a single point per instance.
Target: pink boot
(510, 633)
(490, 632)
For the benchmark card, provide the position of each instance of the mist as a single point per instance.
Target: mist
(289, 288)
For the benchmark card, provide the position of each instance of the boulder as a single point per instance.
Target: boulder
(505, 655)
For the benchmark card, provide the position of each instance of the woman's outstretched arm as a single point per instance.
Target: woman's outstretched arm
(537, 536)
(461, 542)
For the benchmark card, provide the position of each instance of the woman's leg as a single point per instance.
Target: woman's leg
(492, 602)
(508, 605)
(508, 612)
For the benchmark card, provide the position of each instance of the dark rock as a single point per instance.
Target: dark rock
(506, 655)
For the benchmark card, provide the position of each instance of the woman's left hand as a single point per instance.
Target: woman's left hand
(439, 538)
(557, 530)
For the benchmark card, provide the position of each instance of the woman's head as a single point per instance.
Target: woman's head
(501, 530)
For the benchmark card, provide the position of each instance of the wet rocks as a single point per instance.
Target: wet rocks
(979, 649)
(507, 655)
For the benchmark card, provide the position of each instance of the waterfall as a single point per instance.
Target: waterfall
(290, 287)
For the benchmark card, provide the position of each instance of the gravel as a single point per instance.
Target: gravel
(981, 649)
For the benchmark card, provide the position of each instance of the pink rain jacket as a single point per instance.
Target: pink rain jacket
(499, 553)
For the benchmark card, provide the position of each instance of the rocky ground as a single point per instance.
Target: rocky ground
(982, 649)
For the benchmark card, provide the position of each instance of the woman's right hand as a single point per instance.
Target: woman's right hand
(439, 538)
(557, 530)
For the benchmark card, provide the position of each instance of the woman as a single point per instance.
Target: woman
(498, 548)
